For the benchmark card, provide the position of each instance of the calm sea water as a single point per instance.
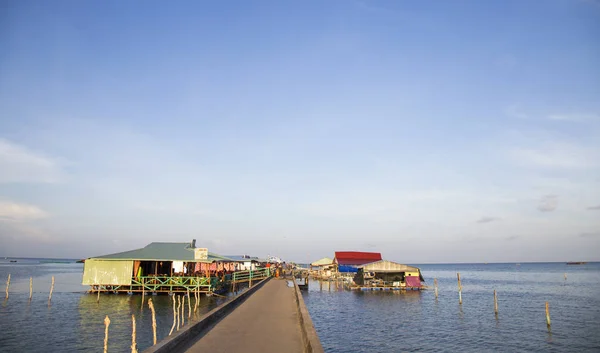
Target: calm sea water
(355, 321)
(74, 322)
(346, 321)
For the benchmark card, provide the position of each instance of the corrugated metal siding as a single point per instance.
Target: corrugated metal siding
(117, 272)
(388, 266)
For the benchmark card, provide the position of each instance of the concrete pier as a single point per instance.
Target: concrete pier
(267, 322)
(270, 317)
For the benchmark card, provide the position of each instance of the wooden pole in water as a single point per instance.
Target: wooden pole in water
(495, 303)
(30, 288)
(174, 316)
(189, 305)
(51, 290)
(98, 299)
(151, 305)
(182, 310)
(547, 314)
(565, 276)
(7, 285)
(178, 307)
(143, 292)
(459, 289)
(106, 324)
(133, 343)
(435, 287)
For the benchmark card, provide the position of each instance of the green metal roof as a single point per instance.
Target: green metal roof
(162, 252)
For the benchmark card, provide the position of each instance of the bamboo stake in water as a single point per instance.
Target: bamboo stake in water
(98, 298)
(30, 287)
(189, 305)
(565, 276)
(548, 314)
(182, 310)
(178, 307)
(435, 287)
(459, 289)
(143, 292)
(495, 303)
(196, 295)
(7, 285)
(106, 324)
(51, 290)
(151, 305)
(174, 316)
(133, 344)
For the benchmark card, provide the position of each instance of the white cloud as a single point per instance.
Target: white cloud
(20, 165)
(18, 222)
(13, 211)
(556, 155)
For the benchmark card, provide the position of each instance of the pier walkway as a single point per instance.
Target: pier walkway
(268, 321)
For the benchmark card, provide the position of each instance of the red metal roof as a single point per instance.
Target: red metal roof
(356, 257)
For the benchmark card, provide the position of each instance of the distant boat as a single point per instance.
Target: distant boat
(576, 263)
(13, 260)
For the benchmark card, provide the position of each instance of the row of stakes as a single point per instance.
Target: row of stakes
(178, 313)
(179, 310)
(178, 319)
(31, 288)
(435, 286)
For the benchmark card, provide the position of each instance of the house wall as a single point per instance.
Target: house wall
(106, 272)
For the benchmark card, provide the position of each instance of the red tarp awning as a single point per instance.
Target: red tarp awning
(412, 281)
(356, 257)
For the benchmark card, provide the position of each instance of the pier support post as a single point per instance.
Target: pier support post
(189, 305)
(435, 287)
(174, 316)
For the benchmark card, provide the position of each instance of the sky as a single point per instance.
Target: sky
(429, 131)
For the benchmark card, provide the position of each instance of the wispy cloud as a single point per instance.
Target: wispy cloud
(514, 111)
(548, 203)
(18, 164)
(574, 117)
(594, 208)
(555, 156)
(590, 235)
(487, 219)
(13, 211)
(18, 222)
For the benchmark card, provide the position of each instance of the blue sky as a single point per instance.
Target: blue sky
(431, 131)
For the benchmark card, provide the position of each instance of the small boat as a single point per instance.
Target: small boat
(13, 260)
(576, 263)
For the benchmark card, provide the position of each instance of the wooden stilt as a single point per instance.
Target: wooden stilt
(51, 290)
(30, 288)
(435, 287)
(547, 314)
